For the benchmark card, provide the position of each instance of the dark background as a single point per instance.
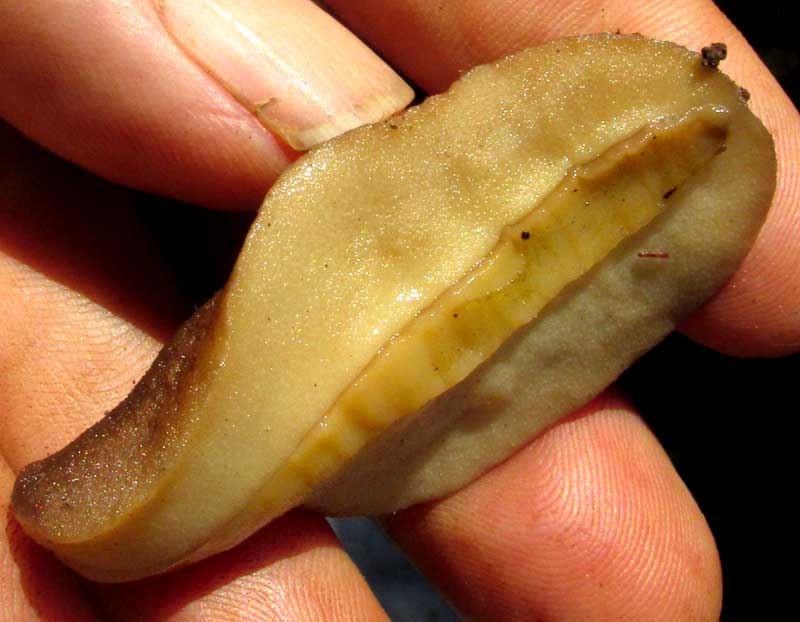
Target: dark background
(726, 423)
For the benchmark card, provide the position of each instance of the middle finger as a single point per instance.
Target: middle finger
(589, 522)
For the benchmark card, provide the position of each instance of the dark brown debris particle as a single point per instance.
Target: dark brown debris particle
(670, 192)
(525, 235)
(713, 54)
(744, 94)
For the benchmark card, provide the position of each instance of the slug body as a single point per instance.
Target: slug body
(419, 298)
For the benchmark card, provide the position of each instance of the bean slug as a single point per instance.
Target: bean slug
(420, 297)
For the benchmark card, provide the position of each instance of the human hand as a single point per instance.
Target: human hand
(565, 529)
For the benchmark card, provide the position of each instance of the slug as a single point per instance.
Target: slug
(419, 298)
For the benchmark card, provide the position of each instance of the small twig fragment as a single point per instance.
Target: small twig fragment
(653, 255)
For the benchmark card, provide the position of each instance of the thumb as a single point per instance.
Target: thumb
(172, 97)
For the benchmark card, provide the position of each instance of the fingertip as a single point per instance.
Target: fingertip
(289, 63)
(590, 522)
(758, 312)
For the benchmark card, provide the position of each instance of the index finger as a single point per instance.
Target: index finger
(433, 42)
(175, 97)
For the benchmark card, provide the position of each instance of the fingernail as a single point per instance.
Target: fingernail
(305, 76)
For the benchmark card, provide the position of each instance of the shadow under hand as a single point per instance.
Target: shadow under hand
(85, 234)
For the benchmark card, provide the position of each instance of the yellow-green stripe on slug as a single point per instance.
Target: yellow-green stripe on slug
(594, 208)
(419, 298)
